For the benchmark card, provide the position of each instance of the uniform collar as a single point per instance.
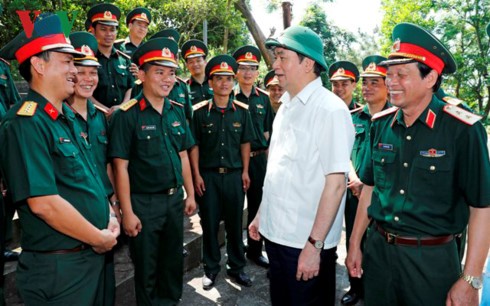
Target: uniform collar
(144, 104)
(47, 107)
(113, 52)
(304, 94)
(428, 117)
(192, 80)
(229, 106)
(238, 90)
(365, 109)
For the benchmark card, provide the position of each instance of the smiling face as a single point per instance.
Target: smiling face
(138, 29)
(374, 90)
(196, 65)
(247, 74)
(59, 71)
(158, 81)
(222, 85)
(344, 89)
(87, 79)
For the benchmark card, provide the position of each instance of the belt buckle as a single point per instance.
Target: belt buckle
(390, 238)
(171, 191)
(222, 170)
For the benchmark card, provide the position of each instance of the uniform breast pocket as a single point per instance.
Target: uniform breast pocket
(68, 161)
(260, 110)
(235, 131)
(149, 144)
(102, 139)
(121, 74)
(383, 164)
(431, 173)
(360, 136)
(209, 128)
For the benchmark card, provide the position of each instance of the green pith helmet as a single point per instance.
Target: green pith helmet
(104, 13)
(158, 51)
(247, 55)
(139, 13)
(194, 48)
(87, 44)
(371, 68)
(221, 65)
(343, 70)
(302, 40)
(413, 43)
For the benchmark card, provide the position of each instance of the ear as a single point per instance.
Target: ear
(37, 64)
(141, 74)
(308, 64)
(431, 78)
(210, 82)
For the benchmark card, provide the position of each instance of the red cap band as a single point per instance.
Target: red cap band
(247, 57)
(419, 54)
(223, 67)
(157, 55)
(107, 15)
(194, 50)
(39, 45)
(344, 73)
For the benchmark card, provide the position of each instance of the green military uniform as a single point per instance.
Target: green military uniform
(425, 177)
(197, 92)
(115, 79)
(46, 156)
(345, 70)
(151, 142)
(8, 92)
(94, 131)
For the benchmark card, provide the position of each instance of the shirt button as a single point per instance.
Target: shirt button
(165, 134)
(115, 100)
(223, 130)
(409, 137)
(222, 143)
(402, 191)
(178, 133)
(382, 160)
(112, 86)
(222, 157)
(148, 137)
(432, 168)
(396, 219)
(405, 165)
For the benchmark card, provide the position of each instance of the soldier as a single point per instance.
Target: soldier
(248, 59)
(375, 94)
(427, 179)
(223, 131)
(66, 220)
(137, 22)
(344, 76)
(93, 124)
(275, 90)
(301, 212)
(149, 142)
(115, 78)
(194, 53)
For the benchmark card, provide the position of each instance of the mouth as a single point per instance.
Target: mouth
(395, 92)
(71, 80)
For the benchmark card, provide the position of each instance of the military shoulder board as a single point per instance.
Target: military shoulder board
(181, 79)
(262, 91)
(176, 103)
(199, 105)
(355, 110)
(123, 54)
(28, 109)
(241, 104)
(461, 114)
(127, 105)
(387, 111)
(100, 108)
(452, 101)
(138, 82)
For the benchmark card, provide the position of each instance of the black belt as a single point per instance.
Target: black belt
(62, 251)
(392, 238)
(171, 191)
(222, 170)
(257, 152)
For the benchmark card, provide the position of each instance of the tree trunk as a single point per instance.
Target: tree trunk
(286, 14)
(254, 28)
(225, 38)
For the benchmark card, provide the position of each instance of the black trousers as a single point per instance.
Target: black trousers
(257, 168)
(285, 290)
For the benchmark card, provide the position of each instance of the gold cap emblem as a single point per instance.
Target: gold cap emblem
(371, 67)
(248, 55)
(86, 50)
(224, 65)
(340, 71)
(143, 15)
(108, 14)
(396, 45)
(166, 52)
(193, 48)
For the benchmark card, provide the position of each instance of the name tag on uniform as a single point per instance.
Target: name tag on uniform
(260, 106)
(64, 140)
(148, 127)
(182, 95)
(176, 124)
(237, 124)
(3, 76)
(122, 67)
(207, 125)
(385, 146)
(433, 153)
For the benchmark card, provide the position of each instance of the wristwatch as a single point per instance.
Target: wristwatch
(318, 244)
(474, 281)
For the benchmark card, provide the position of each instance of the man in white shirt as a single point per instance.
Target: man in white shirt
(304, 191)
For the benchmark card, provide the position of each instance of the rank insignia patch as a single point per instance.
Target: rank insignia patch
(385, 146)
(433, 153)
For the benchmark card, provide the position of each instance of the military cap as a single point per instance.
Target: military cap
(270, 79)
(413, 43)
(167, 33)
(104, 13)
(47, 35)
(88, 26)
(221, 65)
(194, 48)
(158, 51)
(86, 43)
(247, 55)
(139, 13)
(343, 70)
(301, 40)
(371, 67)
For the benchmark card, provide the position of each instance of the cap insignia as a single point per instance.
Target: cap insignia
(86, 50)
(193, 48)
(371, 67)
(248, 55)
(340, 71)
(396, 45)
(108, 14)
(143, 15)
(224, 65)
(166, 52)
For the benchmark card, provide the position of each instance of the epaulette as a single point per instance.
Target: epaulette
(138, 82)
(119, 41)
(356, 110)
(262, 91)
(241, 104)
(28, 109)
(127, 105)
(387, 111)
(181, 79)
(100, 108)
(199, 105)
(5, 61)
(123, 54)
(176, 103)
(452, 100)
(461, 114)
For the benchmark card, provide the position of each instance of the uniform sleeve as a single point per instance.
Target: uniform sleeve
(366, 171)
(188, 140)
(474, 166)
(334, 139)
(269, 116)
(188, 104)
(195, 128)
(26, 159)
(121, 135)
(248, 132)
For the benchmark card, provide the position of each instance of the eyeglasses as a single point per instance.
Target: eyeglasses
(247, 68)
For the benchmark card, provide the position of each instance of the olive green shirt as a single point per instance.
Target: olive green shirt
(426, 175)
(151, 142)
(262, 116)
(199, 92)
(220, 133)
(126, 46)
(47, 155)
(95, 132)
(8, 92)
(114, 78)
